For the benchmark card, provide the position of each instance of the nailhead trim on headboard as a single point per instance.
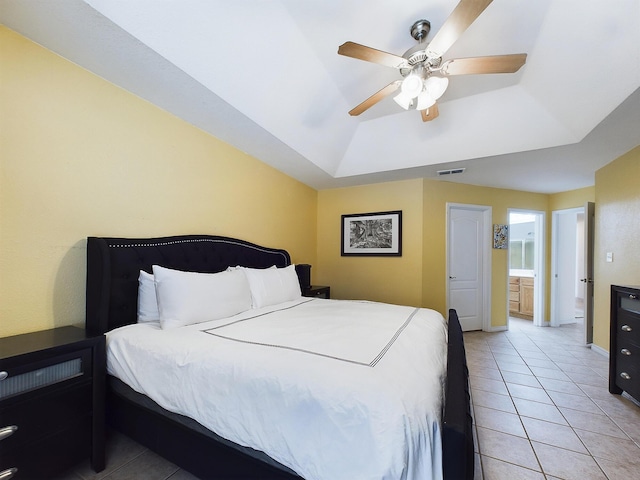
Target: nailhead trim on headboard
(195, 240)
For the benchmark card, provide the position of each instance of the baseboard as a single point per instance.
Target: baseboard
(500, 328)
(599, 350)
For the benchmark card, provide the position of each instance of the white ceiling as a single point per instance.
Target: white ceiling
(265, 76)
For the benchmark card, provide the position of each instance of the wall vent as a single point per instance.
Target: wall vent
(450, 172)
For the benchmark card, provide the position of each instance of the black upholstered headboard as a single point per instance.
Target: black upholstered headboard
(114, 264)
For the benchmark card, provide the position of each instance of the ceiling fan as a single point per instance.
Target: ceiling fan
(425, 75)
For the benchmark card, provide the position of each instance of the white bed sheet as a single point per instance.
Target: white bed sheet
(332, 389)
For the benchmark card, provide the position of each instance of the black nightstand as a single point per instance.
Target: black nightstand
(52, 402)
(318, 291)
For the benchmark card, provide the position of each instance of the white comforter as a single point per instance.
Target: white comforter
(332, 389)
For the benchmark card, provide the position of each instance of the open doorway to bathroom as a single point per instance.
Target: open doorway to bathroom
(526, 266)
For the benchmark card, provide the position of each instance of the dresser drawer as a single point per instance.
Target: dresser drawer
(628, 372)
(44, 414)
(629, 302)
(64, 449)
(628, 327)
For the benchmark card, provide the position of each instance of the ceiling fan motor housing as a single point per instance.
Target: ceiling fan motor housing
(420, 29)
(417, 55)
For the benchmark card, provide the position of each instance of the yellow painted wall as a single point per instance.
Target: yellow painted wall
(385, 279)
(571, 199)
(419, 276)
(617, 195)
(436, 196)
(80, 157)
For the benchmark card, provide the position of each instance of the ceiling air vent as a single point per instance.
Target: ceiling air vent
(450, 172)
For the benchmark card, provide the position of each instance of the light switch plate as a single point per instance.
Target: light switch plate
(609, 257)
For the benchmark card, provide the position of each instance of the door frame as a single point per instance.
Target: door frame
(555, 245)
(540, 283)
(587, 210)
(487, 235)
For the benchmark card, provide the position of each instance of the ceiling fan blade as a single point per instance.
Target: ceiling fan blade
(430, 113)
(368, 54)
(462, 16)
(493, 64)
(375, 98)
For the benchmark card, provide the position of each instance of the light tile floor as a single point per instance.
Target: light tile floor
(542, 409)
(128, 460)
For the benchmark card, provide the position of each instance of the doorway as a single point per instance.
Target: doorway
(526, 266)
(572, 269)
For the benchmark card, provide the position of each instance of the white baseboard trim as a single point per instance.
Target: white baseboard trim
(500, 328)
(599, 350)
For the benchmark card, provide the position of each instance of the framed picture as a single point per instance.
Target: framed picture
(500, 236)
(372, 234)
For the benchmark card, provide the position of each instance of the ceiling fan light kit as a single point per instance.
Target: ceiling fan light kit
(425, 76)
(420, 85)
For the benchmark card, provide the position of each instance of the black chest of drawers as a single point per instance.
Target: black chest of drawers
(52, 410)
(624, 352)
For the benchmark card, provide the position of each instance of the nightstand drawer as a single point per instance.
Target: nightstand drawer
(63, 449)
(45, 414)
(24, 378)
(318, 291)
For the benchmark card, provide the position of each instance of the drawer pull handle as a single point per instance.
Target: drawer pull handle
(624, 351)
(625, 375)
(626, 328)
(6, 432)
(3, 375)
(8, 473)
(632, 297)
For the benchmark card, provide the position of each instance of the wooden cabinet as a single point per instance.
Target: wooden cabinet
(514, 294)
(624, 341)
(51, 402)
(526, 296)
(521, 297)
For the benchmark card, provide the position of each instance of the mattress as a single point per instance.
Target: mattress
(332, 389)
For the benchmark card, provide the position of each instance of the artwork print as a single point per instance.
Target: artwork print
(373, 234)
(500, 236)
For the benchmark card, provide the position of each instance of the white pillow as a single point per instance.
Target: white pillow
(185, 298)
(271, 286)
(147, 303)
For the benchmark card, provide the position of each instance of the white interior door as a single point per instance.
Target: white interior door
(467, 266)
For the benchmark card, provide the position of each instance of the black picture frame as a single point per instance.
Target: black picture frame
(377, 234)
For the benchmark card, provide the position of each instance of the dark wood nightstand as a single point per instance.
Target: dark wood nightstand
(318, 291)
(52, 402)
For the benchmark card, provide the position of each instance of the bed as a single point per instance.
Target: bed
(113, 271)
